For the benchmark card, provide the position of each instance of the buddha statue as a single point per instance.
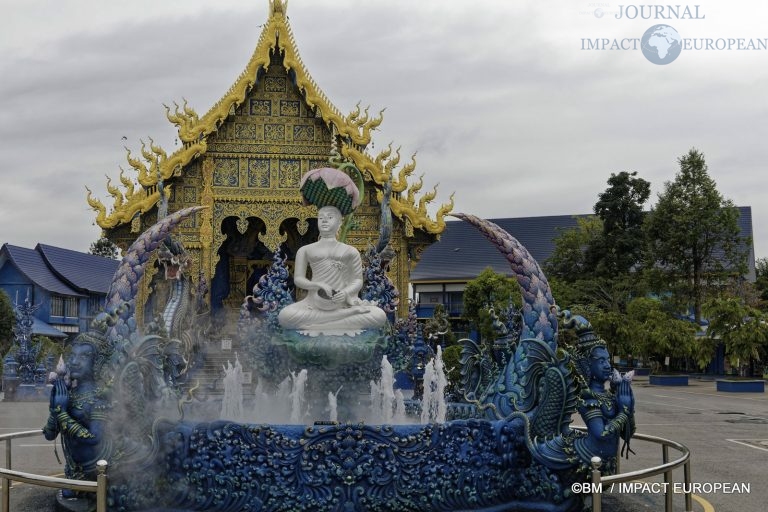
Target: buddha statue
(332, 305)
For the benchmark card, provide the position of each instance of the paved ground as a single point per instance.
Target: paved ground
(727, 434)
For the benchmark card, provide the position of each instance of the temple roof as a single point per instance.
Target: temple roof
(463, 252)
(31, 263)
(62, 271)
(354, 130)
(69, 266)
(41, 328)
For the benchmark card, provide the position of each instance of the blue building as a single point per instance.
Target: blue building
(70, 286)
(463, 253)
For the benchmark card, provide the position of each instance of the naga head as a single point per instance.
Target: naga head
(173, 258)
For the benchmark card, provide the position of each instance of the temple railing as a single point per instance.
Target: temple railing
(599, 482)
(8, 475)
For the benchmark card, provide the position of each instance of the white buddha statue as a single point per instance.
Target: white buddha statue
(332, 305)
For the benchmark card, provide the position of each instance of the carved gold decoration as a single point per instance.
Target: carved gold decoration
(136, 224)
(242, 225)
(278, 7)
(150, 270)
(264, 135)
(206, 220)
(133, 201)
(193, 129)
(381, 170)
(302, 226)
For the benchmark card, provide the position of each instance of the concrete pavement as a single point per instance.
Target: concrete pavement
(727, 434)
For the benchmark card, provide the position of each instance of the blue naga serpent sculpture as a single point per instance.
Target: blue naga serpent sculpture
(521, 456)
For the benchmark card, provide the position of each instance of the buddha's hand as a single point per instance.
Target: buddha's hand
(340, 297)
(326, 289)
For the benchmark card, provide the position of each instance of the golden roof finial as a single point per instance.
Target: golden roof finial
(278, 7)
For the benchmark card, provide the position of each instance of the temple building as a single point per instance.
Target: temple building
(463, 253)
(52, 279)
(243, 160)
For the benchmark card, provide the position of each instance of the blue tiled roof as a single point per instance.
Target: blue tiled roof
(31, 264)
(84, 272)
(44, 329)
(462, 252)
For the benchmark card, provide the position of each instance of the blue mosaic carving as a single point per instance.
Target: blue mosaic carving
(518, 454)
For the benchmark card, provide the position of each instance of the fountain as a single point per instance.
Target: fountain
(232, 402)
(433, 406)
(514, 449)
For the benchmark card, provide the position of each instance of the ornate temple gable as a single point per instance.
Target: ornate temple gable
(276, 47)
(405, 204)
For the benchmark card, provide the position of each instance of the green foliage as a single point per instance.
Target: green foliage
(652, 331)
(7, 321)
(688, 248)
(620, 208)
(569, 259)
(487, 289)
(693, 236)
(609, 244)
(48, 347)
(484, 326)
(451, 358)
(761, 283)
(611, 325)
(104, 247)
(741, 328)
(439, 326)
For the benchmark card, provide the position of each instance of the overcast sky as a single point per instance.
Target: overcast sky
(498, 98)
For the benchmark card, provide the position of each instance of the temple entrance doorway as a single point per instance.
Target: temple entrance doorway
(243, 259)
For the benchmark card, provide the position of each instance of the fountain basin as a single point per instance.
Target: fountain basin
(459, 465)
(330, 352)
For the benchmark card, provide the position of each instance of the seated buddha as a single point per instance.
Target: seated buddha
(332, 305)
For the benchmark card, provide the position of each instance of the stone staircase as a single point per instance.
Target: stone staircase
(208, 374)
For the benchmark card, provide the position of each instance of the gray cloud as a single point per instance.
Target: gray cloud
(497, 98)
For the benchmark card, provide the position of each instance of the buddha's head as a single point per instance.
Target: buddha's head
(328, 221)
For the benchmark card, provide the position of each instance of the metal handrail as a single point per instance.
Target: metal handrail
(666, 468)
(8, 475)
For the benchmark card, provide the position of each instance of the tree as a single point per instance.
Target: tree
(761, 282)
(104, 247)
(487, 289)
(620, 207)
(7, 322)
(438, 328)
(653, 332)
(452, 363)
(693, 236)
(568, 261)
(573, 273)
(742, 329)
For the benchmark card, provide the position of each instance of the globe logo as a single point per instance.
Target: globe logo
(661, 44)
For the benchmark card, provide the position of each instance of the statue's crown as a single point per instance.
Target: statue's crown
(587, 338)
(330, 187)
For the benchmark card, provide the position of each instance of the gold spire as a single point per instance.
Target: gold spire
(354, 130)
(278, 7)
